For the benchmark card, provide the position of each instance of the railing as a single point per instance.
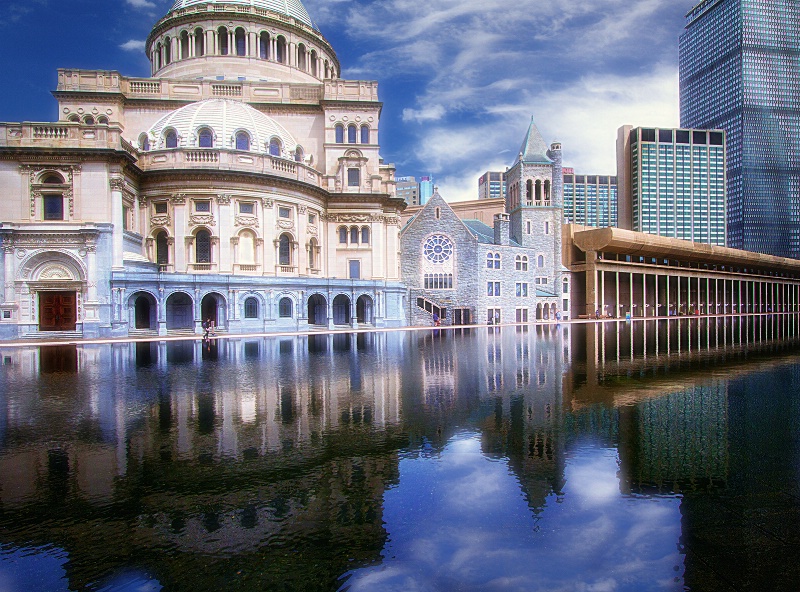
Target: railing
(286, 268)
(201, 266)
(145, 87)
(51, 132)
(226, 90)
(202, 156)
(246, 267)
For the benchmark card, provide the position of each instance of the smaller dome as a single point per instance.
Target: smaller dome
(225, 119)
(293, 8)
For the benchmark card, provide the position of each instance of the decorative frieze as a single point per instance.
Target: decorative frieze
(178, 198)
(285, 224)
(202, 219)
(160, 220)
(246, 220)
(224, 199)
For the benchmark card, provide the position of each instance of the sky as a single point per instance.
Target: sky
(459, 79)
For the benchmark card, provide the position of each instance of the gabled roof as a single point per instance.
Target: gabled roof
(534, 148)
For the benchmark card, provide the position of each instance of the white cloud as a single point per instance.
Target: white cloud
(133, 45)
(141, 3)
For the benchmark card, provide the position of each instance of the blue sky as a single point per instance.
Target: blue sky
(459, 79)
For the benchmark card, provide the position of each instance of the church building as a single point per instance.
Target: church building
(242, 183)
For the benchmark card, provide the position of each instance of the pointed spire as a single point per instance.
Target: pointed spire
(534, 148)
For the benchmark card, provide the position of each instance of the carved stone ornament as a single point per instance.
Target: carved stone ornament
(310, 229)
(268, 203)
(55, 272)
(202, 219)
(178, 198)
(116, 183)
(286, 224)
(160, 220)
(246, 220)
(353, 218)
(302, 209)
(224, 199)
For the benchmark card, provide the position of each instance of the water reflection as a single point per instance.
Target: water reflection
(436, 460)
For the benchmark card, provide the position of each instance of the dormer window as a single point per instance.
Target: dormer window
(205, 138)
(242, 141)
(275, 147)
(171, 139)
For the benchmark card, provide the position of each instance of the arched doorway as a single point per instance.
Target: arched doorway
(317, 310)
(144, 311)
(179, 311)
(364, 309)
(212, 307)
(341, 310)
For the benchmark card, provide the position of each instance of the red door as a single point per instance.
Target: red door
(57, 311)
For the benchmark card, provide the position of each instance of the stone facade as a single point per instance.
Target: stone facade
(259, 201)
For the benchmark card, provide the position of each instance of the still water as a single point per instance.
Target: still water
(659, 455)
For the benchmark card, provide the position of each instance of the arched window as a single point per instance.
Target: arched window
(251, 308)
(298, 154)
(53, 179)
(540, 261)
(327, 70)
(263, 46)
(157, 59)
(284, 250)
(144, 142)
(242, 141)
(285, 308)
(199, 42)
(365, 235)
(301, 58)
(247, 248)
(521, 263)
(275, 147)
(314, 59)
(280, 50)
(222, 36)
(74, 118)
(312, 253)
(203, 247)
(351, 134)
(493, 261)
(102, 120)
(205, 138)
(171, 139)
(162, 248)
(565, 288)
(354, 235)
(365, 134)
(339, 133)
(240, 38)
(167, 50)
(184, 46)
(88, 120)
(343, 235)
(529, 189)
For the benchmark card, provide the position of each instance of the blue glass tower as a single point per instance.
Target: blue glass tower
(740, 71)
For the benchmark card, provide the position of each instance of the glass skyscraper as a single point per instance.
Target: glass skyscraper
(590, 200)
(672, 182)
(740, 71)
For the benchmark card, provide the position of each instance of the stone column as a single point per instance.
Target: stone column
(8, 274)
(116, 185)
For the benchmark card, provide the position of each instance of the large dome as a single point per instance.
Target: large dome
(293, 8)
(225, 118)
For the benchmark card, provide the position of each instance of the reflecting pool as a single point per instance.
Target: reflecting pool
(653, 455)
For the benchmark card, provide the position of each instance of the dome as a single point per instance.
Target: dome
(293, 8)
(225, 118)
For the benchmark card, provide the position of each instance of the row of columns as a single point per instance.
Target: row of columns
(615, 292)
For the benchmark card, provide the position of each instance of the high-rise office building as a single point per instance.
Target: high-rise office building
(425, 189)
(407, 189)
(672, 182)
(492, 184)
(740, 71)
(590, 200)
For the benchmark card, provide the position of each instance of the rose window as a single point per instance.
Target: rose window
(438, 249)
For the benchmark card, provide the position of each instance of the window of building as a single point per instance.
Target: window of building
(342, 235)
(242, 141)
(284, 250)
(547, 227)
(565, 289)
(493, 316)
(299, 154)
(171, 139)
(493, 261)
(365, 235)
(353, 177)
(354, 235)
(222, 35)
(205, 138)
(438, 248)
(312, 219)
(522, 289)
(540, 261)
(355, 269)
(263, 46)
(365, 134)
(522, 315)
(144, 142)
(339, 133)
(275, 147)
(160, 207)
(438, 281)
(246, 207)
(53, 206)
(528, 227)
(521, 263)
(251, 308)
(240, 37)
(202, 206)
(284, 212)
(203, 247)
(493, 288)
(351, 134)
(162, 248)
(285, 308)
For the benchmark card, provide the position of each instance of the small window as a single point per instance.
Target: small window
(298, 154)
(546, 227)
(351, 134)
(354, 235)
(144, 142)
(246, 207)
(274, 147)
(285, 308)
(540, 261)
(242, 141)
(355, 269)
(171, 139)
(312, 219)
(251, 308)
(365, 235)
(205, 138)
(353, 177)
(53, 206)
(339, 133)
(566, 287)
(284, 212)
(365, 134)
(342, 235)
(202, 206)
(160, 207)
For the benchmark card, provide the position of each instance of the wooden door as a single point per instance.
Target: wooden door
(57, 311)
